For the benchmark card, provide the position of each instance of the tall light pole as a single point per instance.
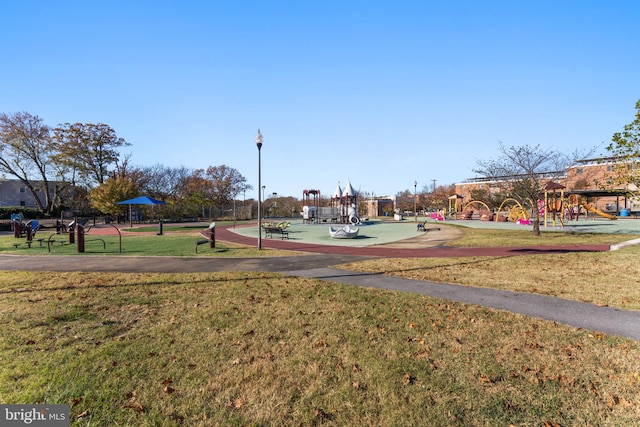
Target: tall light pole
(275, 205)
(415, 200)
(259, 144)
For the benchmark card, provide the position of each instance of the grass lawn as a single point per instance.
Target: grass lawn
(263, 349)
(260, 349)
(602, 278)
(176, 241)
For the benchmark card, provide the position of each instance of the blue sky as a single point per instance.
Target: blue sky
(379, 93)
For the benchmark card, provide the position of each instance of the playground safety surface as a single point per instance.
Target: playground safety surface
(429, 244)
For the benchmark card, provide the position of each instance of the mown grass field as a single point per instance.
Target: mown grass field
(175, 241)
(262, 349)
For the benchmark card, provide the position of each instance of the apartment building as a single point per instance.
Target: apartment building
(14, 193)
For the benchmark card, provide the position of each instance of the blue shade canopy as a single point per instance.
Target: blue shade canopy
(142, 200)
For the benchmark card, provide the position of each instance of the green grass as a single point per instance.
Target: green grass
(263, 349)
(169, 244)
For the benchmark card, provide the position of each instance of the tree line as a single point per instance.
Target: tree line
(81, 167)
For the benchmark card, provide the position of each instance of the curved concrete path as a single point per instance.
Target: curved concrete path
(581, 315)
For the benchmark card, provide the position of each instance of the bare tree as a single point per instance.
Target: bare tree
(522, 173)
(161, 182)
(25, 153)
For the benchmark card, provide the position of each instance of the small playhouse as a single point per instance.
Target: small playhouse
(341, 209)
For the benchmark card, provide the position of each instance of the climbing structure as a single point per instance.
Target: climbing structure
(346, 202)
(342, 208)
(309, 208)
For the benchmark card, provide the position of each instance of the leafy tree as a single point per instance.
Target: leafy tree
(196, 191)
(522, 173)
(437, 198)
(115, 189)
(625, 149)
(226, 183)
(89, 152)
(217, 185)
(26, 152)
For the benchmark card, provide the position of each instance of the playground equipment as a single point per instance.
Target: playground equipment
(345, 232)
(479, 207)
(454, 205)
(309, 209)
(342, 207)
(517, 213)
(554, 204)
(591, 209)
(576, 201)
(438, 215)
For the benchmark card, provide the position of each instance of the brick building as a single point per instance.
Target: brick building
(583, 179)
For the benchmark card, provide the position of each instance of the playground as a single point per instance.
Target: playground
(338, 225)
(376, 232)
(555, 208)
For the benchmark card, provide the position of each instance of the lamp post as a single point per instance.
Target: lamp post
(275, 205)
(259, 144)
(415, 200)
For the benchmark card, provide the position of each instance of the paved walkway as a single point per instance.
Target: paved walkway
(319, 266)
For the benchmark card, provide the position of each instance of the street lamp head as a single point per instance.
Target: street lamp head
(259, 139)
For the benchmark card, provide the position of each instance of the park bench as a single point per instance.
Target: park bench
(423, 227)
(280, 228)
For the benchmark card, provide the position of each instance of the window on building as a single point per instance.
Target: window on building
(22, 203)
(23, 189)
